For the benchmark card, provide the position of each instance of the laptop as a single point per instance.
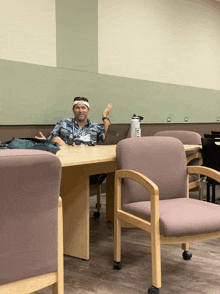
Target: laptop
(115, 134)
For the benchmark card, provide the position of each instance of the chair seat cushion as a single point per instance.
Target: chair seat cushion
(181, 216)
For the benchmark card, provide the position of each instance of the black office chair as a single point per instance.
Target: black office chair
(211, 158)
(210, 136)
(215, 133)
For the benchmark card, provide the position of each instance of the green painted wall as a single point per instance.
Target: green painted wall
(77, 34)
(32, 94)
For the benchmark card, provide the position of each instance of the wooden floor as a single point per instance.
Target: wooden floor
(201, 274)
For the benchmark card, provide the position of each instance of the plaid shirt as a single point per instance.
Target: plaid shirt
(69, 131)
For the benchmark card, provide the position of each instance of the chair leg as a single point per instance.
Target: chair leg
(98, 197)
(201, 192)
(213, 193)
(98, 205)
(185, 246)
(208, 192)
(186, 253)
(58, 288)
(117, 243)
(156, 260)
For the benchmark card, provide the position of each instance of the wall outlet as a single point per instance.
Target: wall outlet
(186, 119)
(169, 119)
(218, 119)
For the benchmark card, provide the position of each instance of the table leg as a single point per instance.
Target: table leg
(110, 186)
(75, 195)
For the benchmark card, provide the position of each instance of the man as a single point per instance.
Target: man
(79, 129)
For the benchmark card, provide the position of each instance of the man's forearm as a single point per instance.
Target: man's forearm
(106, 121)
(106, 124)
(59, 141)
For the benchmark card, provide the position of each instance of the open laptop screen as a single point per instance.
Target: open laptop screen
(115, 134)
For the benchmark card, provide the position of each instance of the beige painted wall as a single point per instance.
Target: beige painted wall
(28, 31)
(169, 41)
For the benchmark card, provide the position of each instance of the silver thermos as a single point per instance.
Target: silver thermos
(135, 125)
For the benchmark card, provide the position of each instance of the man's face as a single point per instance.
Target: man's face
(81, 112)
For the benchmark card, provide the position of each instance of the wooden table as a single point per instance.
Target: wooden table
(192, 147)
(78, 164)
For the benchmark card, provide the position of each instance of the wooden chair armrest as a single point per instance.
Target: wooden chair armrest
(154, 199)
(193, 156)
(206, 171)
(139, 178)
(60, 202)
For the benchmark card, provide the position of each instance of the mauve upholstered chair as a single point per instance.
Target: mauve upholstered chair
(151, 193)
(193, 156)
(31, 233)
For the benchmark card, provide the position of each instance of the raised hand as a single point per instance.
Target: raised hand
(107, 111)
(42, 137)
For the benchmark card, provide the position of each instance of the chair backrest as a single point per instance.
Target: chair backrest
(30, 187)
(211, 153)
(215, 132)
(186, 137)
(161, 159)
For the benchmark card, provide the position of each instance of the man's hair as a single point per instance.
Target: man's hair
(80, 99)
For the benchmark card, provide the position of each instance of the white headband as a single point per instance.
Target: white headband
(81, 102)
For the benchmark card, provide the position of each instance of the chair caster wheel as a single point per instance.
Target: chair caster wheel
(153, 290)
(96, 214)
(117, 265)
(97, 205)
(187, 255)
